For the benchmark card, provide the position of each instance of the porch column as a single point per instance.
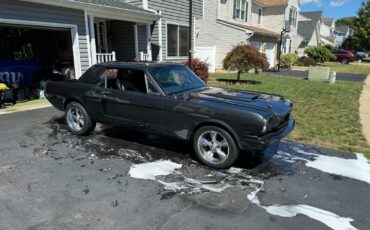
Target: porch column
(136, 43)
(149, 41)
(92, 39)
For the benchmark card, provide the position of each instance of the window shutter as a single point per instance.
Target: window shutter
(234, 13)
(246, 11)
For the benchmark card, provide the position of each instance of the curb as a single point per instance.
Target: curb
(25, 108)
(365, 109)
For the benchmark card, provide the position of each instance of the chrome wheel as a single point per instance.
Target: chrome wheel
(213, 147)
(75, 119)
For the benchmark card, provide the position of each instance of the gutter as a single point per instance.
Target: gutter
(146, 16)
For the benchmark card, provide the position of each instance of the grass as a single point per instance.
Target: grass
(353, 68)
(31, 102)
(326, 115)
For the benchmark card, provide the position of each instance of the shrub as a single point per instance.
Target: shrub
(320, 54)
(287, 60)
(243, 58)
(199, 67)
(329, 47)
(306, 61)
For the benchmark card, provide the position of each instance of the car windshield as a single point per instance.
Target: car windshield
(176, 78)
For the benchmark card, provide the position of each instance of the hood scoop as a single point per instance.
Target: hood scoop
(234, 96)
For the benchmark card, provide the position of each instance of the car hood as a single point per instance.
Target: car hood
(267, 103)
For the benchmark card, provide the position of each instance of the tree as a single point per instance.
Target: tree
(243, 58)
(346, 21)
(361, 30)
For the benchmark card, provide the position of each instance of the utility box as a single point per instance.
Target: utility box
(319, 73)
(333, 77)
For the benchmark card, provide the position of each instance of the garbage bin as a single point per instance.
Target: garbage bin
(332, 77)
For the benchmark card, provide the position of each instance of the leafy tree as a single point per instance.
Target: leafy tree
(361, 30)
(346, 21)
(243, 58)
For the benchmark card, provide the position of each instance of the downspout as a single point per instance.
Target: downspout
(146, 7)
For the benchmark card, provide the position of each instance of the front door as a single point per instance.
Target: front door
(100, 27)
(270, 54)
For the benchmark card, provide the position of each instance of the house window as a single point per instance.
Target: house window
(240, 10)
(293, 16)
(177, 41)
(259, 16)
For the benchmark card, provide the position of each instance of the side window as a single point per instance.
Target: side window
(131, 80)
(108, 78)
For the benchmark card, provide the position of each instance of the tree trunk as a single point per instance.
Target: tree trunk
(239, 72)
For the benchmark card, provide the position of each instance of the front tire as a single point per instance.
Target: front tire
(345, 61)
(78, 120)
(215, 147)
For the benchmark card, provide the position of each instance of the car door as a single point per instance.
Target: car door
(131, 102)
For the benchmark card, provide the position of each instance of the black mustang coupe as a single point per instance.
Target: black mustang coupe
(169, 99)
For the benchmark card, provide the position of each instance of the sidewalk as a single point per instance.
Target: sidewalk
(365, 109)
(25, 108)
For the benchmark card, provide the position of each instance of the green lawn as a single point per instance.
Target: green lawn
(326, 114)
(354, 68)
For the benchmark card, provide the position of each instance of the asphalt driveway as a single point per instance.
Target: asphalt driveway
(304, 74)
(51, 179)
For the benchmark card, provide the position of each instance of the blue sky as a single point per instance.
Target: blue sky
(332, 8)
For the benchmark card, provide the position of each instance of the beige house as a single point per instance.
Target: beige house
(260, 23)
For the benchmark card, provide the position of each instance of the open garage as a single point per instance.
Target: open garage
(30, 55)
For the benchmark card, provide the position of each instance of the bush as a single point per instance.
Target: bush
(329, 47)
(306, 61)
(243, 58)
(287, 60)
(320, 54)
(199, 67)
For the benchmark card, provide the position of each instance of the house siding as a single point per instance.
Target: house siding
(212, 33)
(173, 12)
(17, 10)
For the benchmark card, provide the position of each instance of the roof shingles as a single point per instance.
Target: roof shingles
(255, 29)
(272, 2)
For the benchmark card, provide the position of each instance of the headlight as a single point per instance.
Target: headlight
(264, 128)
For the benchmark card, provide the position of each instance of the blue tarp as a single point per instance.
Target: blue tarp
(19, 72)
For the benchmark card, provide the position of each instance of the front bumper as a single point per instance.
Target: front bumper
(259, 143)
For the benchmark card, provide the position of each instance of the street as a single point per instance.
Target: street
(51, 179)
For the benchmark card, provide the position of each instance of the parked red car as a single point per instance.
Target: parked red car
(344, 56)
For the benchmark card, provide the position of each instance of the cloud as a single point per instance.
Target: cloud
(315, 2)
(338, 3)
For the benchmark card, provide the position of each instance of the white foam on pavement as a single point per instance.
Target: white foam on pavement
(150, 170)
(330, 219)
(358, 168)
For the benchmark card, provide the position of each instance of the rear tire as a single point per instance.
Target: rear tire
(345, 61)
(78, 120)
(215, 147)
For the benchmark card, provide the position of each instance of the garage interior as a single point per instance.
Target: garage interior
(31, 55)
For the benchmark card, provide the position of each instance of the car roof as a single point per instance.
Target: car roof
(135, 65)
